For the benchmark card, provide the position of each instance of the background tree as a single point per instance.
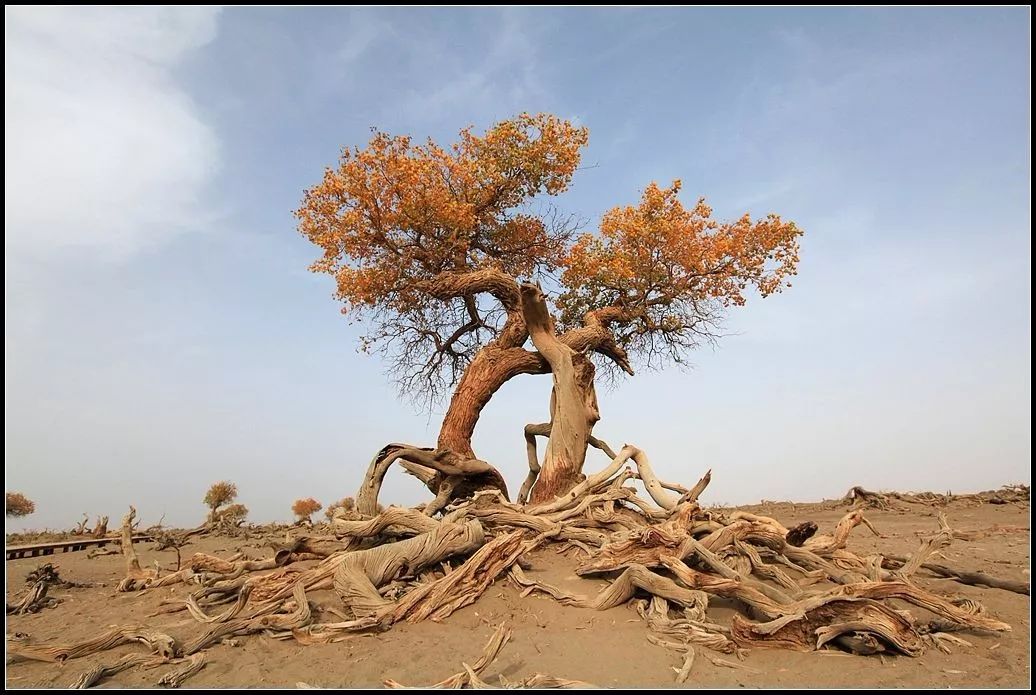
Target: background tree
(234, 514)
(346, 504)
(221, 493)
(428, 246)
(305, 508)
(18, 504)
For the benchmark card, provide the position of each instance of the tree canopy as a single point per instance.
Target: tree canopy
(220, 493)
(305, 508)
(427, 244)
(17, 504)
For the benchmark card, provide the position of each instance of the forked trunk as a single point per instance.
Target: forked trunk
(573, 402)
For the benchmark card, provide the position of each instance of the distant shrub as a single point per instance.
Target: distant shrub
(305, 508)
(19, 505)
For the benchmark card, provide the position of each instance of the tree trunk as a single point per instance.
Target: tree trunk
(491, 368)
(573, 402)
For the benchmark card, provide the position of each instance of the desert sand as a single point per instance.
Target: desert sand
(606, 648)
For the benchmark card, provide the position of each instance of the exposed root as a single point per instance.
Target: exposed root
(359, 574)
(962, 576)
(159, 643)
(801, 533)
(462, 586)
(176, 677)
(665, 557)
(264, 618)
(859, 498)
(100, 672)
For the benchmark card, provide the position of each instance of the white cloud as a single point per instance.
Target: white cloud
(104, 150)
(503, 80)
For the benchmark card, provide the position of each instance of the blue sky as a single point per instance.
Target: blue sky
(163, 332)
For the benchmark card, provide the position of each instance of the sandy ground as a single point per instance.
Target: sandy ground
(606, 648)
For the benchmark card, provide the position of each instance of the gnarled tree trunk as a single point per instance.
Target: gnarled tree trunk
(573, 402)
(491, 368)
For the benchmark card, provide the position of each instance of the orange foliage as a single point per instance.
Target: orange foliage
(17, 504)
(220, 493)
(397, 212)
(305, 508)
(407, 228)
(659, 252)
(234, 514)
(663, 273)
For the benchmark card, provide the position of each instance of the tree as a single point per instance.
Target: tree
(18, 504)
(428, 245)
(305, 508)
(223, 492)
(234, 514)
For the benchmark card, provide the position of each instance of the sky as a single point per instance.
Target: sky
(162, 330)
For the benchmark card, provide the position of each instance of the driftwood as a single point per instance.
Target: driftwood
(858, 497)
(98, 673)
(962, 576)
(360, 573)
(463, 585)
(35, 600)
(664, 556)
(159, 643)
(176, 677)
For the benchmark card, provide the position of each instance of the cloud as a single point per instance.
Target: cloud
(105, 151)
(504, 76)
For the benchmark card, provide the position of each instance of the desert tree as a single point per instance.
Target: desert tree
(305, 508)
(429, 246)
(219, 494)
(18, 504)
(233, 515)
(346, 504)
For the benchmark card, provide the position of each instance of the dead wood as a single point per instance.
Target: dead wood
(800, 534)
(464, 584)
(100, 528)
(98, 673)
(928, 546)
(176, 677)
(622, 589)
(469, 677)
(136, 577)
(159, 643)
(818, 625)
(489, 653)
(392, 521)
(699, 487)
(34, 601)
(456, 476)
(645, 549)
(357, 575)
(264, 618)
(962, 576)
(540, 680)
(859, 497)
(662, 555)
